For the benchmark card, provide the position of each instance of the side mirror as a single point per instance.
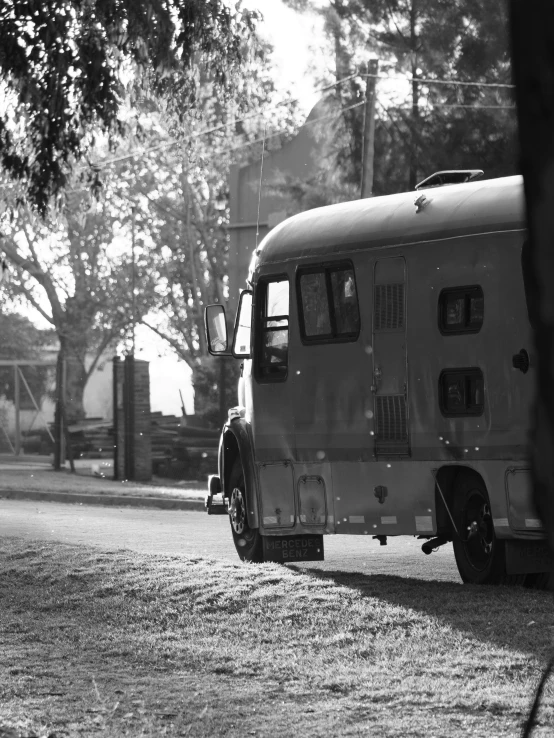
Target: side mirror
(216, 330)
(243, 327)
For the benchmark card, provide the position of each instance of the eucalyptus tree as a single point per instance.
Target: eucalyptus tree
(180, 187)
(75, 270)
(75, 76)
(67, 66)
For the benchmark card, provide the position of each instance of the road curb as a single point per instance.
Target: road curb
(165, 503)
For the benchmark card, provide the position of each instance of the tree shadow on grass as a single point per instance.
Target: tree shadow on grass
(510, 617)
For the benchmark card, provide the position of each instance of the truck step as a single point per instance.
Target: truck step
(216, 505)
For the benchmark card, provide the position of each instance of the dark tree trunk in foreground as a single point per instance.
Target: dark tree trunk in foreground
(532, 29)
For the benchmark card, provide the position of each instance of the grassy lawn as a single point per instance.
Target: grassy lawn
(123, 644)
(48, 480)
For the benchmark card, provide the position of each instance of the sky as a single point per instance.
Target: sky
(296, 38)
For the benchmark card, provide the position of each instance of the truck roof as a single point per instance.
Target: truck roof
(450, 211)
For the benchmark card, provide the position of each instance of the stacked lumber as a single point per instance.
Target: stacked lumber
(183, 447)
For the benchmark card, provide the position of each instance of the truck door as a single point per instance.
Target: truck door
(389, 385)
(272, 418)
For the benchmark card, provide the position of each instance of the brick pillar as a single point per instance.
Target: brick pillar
(132, 420)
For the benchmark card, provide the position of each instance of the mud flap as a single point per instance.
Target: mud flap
(285, 549)
(528, 557)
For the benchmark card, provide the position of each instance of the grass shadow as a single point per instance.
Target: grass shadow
(509, 617)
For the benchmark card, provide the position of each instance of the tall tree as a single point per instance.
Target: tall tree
(66, 67)
(76, 272)
(172, 174)
(182, 184)
(423, 125)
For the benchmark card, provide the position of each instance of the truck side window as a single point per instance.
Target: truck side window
(328, 304)
(273, 347)
(461, 310)
(461, 392)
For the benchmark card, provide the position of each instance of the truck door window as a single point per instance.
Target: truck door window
(328, 304)
(274, 329)
(315, 305)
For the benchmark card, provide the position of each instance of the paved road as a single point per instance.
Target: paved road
(180, 531)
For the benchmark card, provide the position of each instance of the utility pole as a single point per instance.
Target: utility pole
(414, 149)
(368, 148)
(133, 280)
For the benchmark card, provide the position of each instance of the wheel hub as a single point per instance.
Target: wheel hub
(237, 511)
(480, 532)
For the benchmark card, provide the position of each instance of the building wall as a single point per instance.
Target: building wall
(298, 159)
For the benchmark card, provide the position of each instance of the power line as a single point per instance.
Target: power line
(455, 82)
(280, 133)
(431, 105)
(219, 127)
(325, 88)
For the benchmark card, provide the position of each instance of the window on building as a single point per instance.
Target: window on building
(328, 304)
(273, 311)
(461, 310)
(461, 392)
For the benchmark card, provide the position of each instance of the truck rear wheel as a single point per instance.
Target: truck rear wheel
(247, 540)
(480, 555)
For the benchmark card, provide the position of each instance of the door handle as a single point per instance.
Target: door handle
(377, 374)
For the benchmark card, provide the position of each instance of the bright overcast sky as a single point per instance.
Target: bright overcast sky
(297, 39)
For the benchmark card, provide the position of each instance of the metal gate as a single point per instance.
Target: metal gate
(12, 435)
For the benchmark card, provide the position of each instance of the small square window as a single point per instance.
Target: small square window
(461, 392)
(461, 310)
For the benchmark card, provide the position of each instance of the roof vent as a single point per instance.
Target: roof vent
(450, 176)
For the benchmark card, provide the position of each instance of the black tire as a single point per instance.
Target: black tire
(480, 555)
(247, 540)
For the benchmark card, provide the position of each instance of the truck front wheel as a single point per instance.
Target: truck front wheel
(247, 540)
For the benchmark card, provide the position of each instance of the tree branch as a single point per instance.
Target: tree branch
(29, 297)
(34, 270)
(104, 343)
(172, 342)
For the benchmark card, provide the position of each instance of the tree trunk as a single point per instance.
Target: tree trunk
(75, 381)
(532, 29)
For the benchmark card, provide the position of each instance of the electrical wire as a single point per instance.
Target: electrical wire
(280, 133)
(219, 127)
(260, 191)
(257, 114)
(454, 82)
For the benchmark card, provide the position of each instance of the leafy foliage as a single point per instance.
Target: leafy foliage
(206, 379)
(20, 339)
(66, 67)
(422, 125)
(81, 283)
